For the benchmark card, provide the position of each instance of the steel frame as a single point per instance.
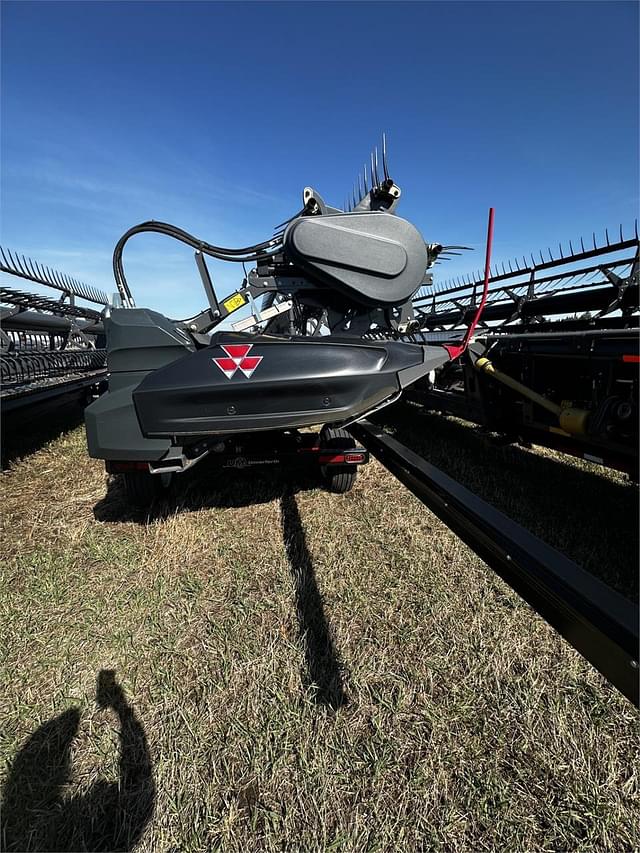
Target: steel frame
(52, 352)
(520, 298)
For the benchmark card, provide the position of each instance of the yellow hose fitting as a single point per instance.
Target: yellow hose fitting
(484, 364)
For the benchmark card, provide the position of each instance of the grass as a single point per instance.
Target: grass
(264, 666)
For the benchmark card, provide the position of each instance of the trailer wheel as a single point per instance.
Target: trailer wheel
(143, 488)
(337, 478)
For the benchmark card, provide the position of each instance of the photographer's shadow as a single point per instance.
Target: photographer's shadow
(110, 816)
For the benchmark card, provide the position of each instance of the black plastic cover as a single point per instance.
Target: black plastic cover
(243, 383)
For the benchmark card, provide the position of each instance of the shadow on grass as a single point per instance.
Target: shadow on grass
(20, 439)
(110, 816)
(588, 513)
(323, 665)
(209, 486)
(206, 486)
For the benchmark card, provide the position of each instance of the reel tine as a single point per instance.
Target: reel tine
(50, 278)
(20, 265)
(366, 187)
(40, 271)
(290, 219)
(46, 276)
(374, 180)
(376, 166)
(33, 272)
(12, 265)
(384, 157)
(28, 266)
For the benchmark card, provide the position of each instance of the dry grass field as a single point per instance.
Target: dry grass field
(262, 666)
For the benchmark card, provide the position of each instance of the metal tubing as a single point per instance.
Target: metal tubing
(37, 321)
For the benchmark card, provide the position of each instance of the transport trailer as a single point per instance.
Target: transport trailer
(327, 300)
(332, 454)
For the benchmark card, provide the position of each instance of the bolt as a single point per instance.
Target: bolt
(326, 401)
(193, 327)
(231, 410)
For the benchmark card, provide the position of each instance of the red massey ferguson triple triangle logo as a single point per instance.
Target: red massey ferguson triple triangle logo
(238, 357)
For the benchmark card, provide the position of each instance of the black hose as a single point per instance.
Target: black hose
(246, 254)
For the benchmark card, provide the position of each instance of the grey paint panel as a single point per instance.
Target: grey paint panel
(374, 258)
(113, 431)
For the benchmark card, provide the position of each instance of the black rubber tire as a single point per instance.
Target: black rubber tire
(337, 478)
(143, 488)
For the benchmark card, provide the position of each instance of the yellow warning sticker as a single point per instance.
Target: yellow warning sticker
(234, 302)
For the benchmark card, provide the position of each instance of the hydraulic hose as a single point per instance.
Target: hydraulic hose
(246, 254)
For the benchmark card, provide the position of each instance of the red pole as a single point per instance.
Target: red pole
(457, 350)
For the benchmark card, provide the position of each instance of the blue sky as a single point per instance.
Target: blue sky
(214, 116)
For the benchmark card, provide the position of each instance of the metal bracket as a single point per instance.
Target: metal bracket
(207, 284)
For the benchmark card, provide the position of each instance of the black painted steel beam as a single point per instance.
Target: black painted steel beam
(597, 621)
